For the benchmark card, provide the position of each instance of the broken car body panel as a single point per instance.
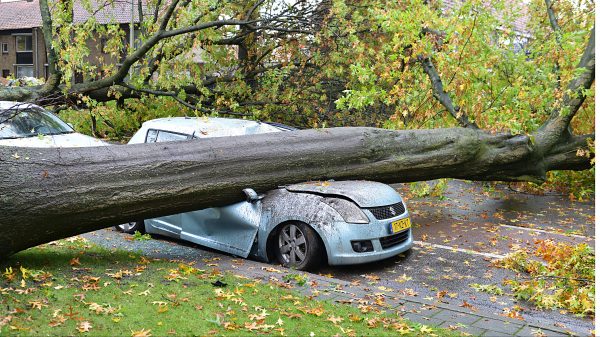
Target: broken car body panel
(231, 229)
(363, 193)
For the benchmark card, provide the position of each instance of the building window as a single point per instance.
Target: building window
(24, 71)
(5, 48)
(5, 73)
(24, 43)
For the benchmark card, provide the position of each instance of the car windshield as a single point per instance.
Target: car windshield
(30, 122)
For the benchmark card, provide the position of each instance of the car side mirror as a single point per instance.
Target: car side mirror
(251, 195)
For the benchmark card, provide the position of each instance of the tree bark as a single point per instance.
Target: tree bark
(47, 194)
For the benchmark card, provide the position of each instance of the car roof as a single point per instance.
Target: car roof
(209, 126)
(11, 105)
(200, 122)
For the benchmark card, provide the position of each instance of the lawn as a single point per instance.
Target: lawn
(72, 287)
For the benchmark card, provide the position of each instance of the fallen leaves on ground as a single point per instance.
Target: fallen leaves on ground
(84, 326)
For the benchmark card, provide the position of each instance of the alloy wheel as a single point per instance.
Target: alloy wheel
(292, 244)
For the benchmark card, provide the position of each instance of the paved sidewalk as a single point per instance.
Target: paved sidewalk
(412, 308)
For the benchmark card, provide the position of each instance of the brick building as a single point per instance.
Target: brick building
(22, 48)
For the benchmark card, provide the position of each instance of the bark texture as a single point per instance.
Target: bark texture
(47, 194)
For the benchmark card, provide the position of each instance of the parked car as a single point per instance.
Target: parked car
(300, 225)
(29, 125)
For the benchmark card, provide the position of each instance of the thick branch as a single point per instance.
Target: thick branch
(557, 34)
(139, 53)
(568, 154)
(167, 16)
(54, 75)
(205, 25)
(552, 17)
(167, 94)
(442, 96)
(573, 98)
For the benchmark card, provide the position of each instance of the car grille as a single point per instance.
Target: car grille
(386, 212)
(393, 240)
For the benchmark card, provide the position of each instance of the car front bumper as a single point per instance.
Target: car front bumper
(339, 247)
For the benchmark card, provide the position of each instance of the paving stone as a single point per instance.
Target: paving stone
(551, 333)
(456, 317)
(498, 325)
(474, 331)
(429, 311)
(490, 333)
(408, 306)
(529, 331)
(417, 308)
(416, 318)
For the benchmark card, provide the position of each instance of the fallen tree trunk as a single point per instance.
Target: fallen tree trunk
(47, 194)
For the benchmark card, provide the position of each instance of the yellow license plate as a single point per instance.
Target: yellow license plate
(400, 225)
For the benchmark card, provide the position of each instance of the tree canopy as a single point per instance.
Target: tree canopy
(498, 65)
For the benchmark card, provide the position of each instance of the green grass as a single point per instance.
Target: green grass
(70, 285)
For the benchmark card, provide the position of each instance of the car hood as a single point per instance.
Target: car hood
(66, 140)
(363, 193)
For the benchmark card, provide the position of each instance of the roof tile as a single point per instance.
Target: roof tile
(20, 15)
(26, 14)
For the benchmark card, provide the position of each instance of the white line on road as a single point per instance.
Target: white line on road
(454, 249)
(547, 232)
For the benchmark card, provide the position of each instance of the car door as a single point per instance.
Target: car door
(169, 225)
(231, 229)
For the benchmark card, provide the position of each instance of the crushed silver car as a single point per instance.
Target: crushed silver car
(300, 225)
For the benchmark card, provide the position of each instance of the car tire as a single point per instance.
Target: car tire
(297, 246)
(132, 227)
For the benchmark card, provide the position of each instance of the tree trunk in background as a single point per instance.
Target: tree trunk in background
(48, 194)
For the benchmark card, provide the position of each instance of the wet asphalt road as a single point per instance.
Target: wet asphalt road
(456, 239)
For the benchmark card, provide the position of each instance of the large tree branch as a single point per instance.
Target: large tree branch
(171, 94)
(167, 16)
(61, 192)
(574, 96)
(205, 25)
(54, 75)
(250, 13)
(570, 154)
(157, 11)
(442, 96)
(139, 53)
(552, 17)
(558, 34)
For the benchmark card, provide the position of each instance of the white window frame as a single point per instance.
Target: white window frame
(4, 48)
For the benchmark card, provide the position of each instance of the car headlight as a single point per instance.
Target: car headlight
(348, 210)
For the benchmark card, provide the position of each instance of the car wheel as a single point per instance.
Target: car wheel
(131, 227)
(298, 246)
